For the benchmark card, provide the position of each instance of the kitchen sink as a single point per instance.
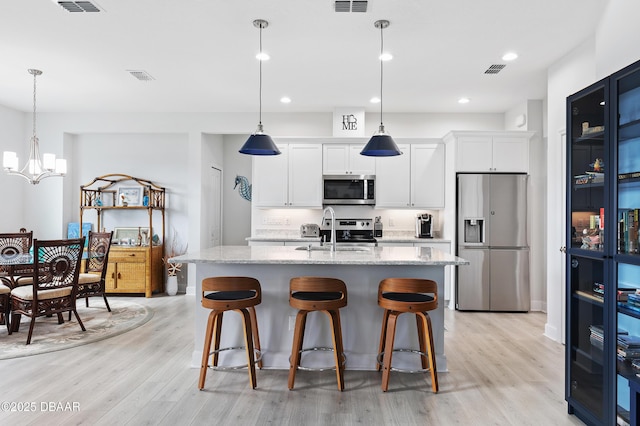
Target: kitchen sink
(338, 248)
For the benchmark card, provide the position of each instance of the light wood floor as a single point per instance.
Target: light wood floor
(502, 371)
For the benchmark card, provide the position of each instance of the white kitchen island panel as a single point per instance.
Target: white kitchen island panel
(361, 318)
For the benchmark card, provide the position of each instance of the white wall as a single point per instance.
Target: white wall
(572, 73)
(617, 42)
(13, 137)
(160, 158)
(237, 210)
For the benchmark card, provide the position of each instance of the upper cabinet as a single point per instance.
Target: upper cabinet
(415, 179)
(291, 179)
(341, 159)
(486, 152)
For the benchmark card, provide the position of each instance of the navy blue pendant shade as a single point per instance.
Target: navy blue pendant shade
(381, 144)
(259, 143)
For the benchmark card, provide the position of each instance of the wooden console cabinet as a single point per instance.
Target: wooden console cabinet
(134, 270)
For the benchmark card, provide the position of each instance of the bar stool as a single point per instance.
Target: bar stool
(308, 294)
(240, 294)
(412, 295)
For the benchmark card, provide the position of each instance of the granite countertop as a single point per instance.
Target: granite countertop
(410, 239)
(390, 238)
(420, 256)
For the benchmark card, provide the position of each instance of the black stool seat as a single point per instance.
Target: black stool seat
(407, 297)
(317, 295)
(231, 295)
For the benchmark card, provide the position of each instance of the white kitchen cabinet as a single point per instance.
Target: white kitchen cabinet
(291, 179)
(341, 159)
(499, 152)
(427, 175)
(415, 179)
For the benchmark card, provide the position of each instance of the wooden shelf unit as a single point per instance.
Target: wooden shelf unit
(132, 269)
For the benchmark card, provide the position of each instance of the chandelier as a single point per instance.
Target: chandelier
(35, 169)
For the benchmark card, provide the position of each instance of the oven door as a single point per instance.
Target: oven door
(348, 190)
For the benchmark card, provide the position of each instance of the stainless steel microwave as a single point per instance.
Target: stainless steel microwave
(349, 189)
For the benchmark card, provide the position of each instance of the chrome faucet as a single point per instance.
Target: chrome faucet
(333, 225)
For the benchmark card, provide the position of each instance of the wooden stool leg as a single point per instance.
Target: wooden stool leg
(430, 351)
(254, 328)
(338, 349)
(422, 341)
(248, 340)
(388, 349)
(383, 333)
(206, 348)
(216, 339)
(296, 347)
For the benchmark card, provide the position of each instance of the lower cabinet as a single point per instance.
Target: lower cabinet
(134, 270)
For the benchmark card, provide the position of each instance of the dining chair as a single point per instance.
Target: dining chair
(11, 245)
(56, 267)
(91, 282)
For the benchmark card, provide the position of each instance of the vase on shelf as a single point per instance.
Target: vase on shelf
(172, 285)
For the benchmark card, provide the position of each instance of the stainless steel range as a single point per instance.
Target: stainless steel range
(358, 232)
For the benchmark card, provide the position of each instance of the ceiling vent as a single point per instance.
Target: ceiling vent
(141, 75)
(495, 69)
(351, 6)
(79, 6)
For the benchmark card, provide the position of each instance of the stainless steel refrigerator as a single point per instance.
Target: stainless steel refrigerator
(492, 236)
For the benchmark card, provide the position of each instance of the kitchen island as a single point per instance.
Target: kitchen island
(361, 269)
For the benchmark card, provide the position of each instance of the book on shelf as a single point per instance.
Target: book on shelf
(622, 294)
(625, 176)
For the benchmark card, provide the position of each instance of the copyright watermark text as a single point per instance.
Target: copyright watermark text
(39, 407)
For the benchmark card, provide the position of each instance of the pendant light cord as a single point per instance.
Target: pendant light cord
(260, 87)
(34, 104)
(381, 72)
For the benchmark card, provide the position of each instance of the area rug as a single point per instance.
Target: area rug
(49, 336)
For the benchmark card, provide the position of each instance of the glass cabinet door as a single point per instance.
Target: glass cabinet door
(585, 363)
(626, 89)
(628, 159)
(587, 163)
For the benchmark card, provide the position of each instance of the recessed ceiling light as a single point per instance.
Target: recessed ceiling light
(285, 99)
(464, 100)
(386, 56)
(262, 56)
(375, 100)
(509, 56)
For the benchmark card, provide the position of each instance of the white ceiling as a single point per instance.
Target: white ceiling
(202, 54)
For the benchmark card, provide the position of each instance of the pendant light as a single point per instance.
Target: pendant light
(259, 143)
(35, 169)
(381, 143)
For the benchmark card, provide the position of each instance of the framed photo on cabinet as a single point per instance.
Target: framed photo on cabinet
(130, 196)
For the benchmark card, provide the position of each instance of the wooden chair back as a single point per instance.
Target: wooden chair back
(98, 252)
(231, 284)
(56, 264)
(318, 285)
(416, 286)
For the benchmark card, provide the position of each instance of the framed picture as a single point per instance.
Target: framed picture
(128, 236)
(130, 196)
(73, 231)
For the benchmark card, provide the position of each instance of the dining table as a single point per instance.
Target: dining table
(14, 266)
